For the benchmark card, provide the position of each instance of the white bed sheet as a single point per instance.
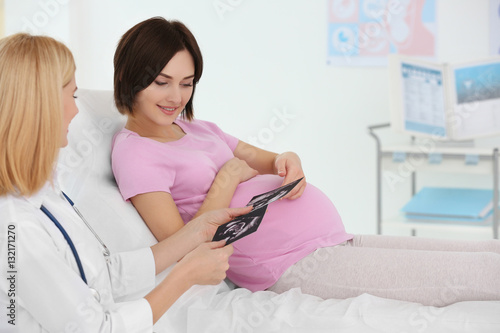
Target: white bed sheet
(85, 174)
(209, 309)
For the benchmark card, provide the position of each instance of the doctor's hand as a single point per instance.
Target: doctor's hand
(207, 264)
(288, 165)
(206, 224)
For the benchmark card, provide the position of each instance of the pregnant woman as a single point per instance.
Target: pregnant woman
(173, 167)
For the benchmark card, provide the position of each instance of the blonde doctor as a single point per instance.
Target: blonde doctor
(61, 277)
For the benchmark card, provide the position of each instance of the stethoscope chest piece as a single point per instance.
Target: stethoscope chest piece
(96, 294)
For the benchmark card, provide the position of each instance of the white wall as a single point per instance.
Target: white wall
(263, 58)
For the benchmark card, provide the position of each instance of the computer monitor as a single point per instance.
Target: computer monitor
(451, 102)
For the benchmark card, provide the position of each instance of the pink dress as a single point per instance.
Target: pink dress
(290, 230)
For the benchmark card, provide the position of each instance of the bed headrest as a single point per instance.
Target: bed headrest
(84, 171)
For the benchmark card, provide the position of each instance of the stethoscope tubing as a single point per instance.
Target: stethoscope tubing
(68, 240)
(106, 252)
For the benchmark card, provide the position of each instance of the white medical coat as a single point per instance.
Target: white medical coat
(50, 294)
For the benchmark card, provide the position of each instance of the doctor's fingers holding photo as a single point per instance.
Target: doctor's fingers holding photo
(205, 226)
(66, 278)
(208, 263)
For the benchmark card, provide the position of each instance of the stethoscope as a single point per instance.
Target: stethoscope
(105, 250)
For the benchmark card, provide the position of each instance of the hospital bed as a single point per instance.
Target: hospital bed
(85, 172)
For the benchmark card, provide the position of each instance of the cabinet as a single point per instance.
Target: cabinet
(412, 157)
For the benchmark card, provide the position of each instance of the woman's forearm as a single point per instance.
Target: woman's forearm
(225, 183)
(221, 192)
(259, 159)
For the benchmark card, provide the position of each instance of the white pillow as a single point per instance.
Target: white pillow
(85, 175)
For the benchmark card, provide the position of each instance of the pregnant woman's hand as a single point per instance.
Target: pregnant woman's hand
(288, 165)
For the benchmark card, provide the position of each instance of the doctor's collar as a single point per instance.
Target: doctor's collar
(38, 198)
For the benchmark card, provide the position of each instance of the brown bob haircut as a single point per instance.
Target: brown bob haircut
(143, 52)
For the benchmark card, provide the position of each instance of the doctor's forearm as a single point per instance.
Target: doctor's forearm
(206, 265)
(170, 250)
(166, 293)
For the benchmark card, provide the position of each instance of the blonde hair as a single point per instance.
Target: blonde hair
(33, 71)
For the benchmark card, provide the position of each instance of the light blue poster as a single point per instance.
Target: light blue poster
(477, 83)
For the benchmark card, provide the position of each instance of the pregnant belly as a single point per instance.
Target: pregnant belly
(310, 221)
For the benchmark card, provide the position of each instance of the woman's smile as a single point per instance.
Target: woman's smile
(169, 111)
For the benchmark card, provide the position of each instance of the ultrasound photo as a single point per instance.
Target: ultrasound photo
(246, 224)
(266, 198)
(240, 227)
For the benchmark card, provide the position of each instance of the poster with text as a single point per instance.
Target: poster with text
(364, 32)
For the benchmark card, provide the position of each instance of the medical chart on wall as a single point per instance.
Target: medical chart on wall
(364, 32)
(450, 101)
(494, 27)
(423, 99)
